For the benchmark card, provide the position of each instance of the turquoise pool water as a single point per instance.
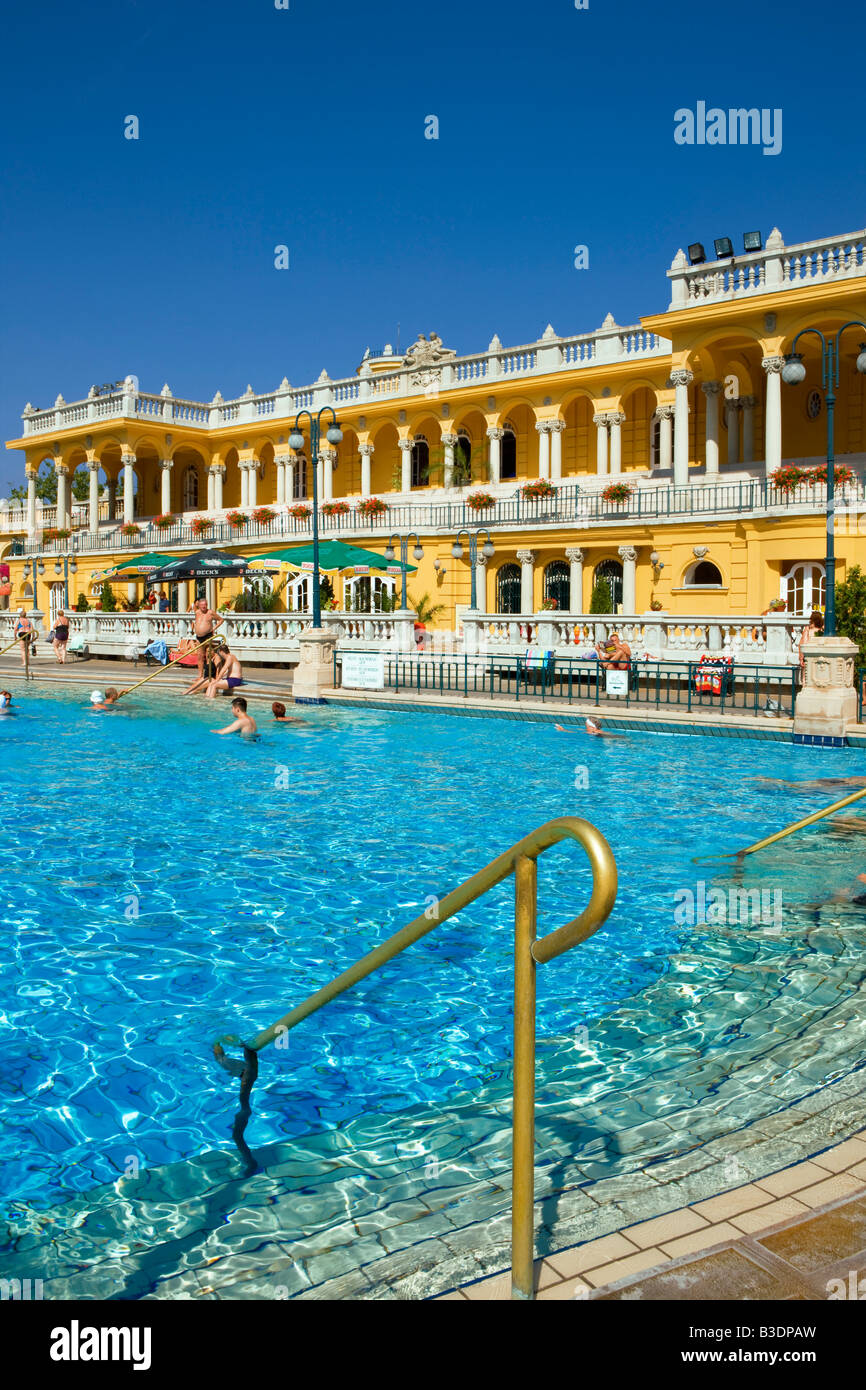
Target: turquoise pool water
(162, 886)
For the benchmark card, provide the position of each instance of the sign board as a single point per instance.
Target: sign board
(617, 683)
(364, 670)
(394, 569)
(362, 569)
(307, 565)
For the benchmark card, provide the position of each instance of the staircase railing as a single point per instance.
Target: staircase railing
(529, 951)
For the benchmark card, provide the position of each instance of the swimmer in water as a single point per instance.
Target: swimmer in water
(279, 712)
(98, 701)
(243, 724)
(6, 702)
(593, 727)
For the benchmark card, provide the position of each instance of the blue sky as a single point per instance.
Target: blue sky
(305, 127)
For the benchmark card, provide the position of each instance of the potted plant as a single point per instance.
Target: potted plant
(200, 525)
(129, 528)
(237, 519)
(82, 606)
(617, 492)
(56, 533)
(549, 605)
(371, 506)
(541, 488)
(656, 606)
(107, 600)
(777, 605)
(789, 477)
(165, 522)
(480, 501)
(300, 511)
(262, 516)
(335, 509)
(841, 475)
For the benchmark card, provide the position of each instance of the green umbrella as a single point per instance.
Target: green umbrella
(333, 555)
(140, 566)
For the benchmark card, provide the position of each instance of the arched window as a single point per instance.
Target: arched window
(420, 462)
(703, 575)
(508, 453)
(557, 585)
(190, 489)
(609, 572)
(508, 589)
(804, 588)
(463, 459)
(299, 479)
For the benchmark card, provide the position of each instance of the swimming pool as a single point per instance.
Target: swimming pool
(161, 887)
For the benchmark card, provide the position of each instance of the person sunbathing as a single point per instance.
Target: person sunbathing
(215, 657)
(243, 723)
(229, 675)
(614, 654)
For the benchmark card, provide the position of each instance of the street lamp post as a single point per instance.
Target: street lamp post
(417, 553)
(793, 373)
(296, 442)
(38, 565)
(70, 566)
(486, 550)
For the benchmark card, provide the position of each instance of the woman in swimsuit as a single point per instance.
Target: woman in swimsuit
(61, 637)
(24, 630)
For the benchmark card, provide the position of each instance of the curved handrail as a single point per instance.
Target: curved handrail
(604, 888)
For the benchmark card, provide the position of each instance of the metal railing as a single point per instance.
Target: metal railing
(529, 951)
(743, 689)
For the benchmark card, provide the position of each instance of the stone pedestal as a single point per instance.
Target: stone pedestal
(827, 703)
(315, 669)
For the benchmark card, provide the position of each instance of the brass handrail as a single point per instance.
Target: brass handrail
(798, 825)
(520, 860)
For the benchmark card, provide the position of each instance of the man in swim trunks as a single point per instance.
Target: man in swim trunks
(205, 622)
(243, 723)
(229, 676)
(613, 655)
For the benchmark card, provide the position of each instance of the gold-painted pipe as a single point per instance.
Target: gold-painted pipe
(153, 675)
(523, 1112)
(808, 820)
(604, 885)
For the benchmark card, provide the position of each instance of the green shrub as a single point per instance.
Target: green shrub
(601, 600)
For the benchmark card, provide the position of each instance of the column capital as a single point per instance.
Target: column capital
(664, 412)
(127, 460)
(543, 426)
(574, 554)
(627, 553)
(748, 402)
(366, 450)
(711, 388)
(526, 557)
(601, 420)
(94, 465)
(772, 364)
(405, 444)
(449, 440)
(682, 376)
(166, 465)
(480, 559)
(556, 426)
(733, 403)
(495, 432)
(329, 455)
(61, 469)
(616, 417)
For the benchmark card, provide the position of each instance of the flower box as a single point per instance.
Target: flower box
(789, 477)
(237, 519)
(164, 522)
(537, 490)
(335, 509)
(129, 528)
(480, 501)
(300, 511)
(371, 506)
(56, 533)
(617, 492)
(262, 516)
(549, 605)
(841, 475)
(200, 525)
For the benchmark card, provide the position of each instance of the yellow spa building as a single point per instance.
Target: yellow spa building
(684, 414)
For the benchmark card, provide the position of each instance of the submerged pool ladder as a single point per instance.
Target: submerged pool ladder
(529, 951)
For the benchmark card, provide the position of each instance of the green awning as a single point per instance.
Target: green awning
(333, 555)
(140, 564)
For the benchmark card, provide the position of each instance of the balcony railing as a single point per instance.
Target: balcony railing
(776, 267)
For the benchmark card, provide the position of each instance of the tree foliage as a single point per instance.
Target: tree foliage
(851, 609)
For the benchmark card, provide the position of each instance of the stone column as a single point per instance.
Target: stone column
(211, 487)
(62, 494)
(280, 461)
(556, 429)
(291, 461)
(366, 452)
(827, 703)
(128, 461)
(682, 379)
(166, 466)
(315, 669)
(543, 427)
(405, 447)
(320, 479)
(600, 422)
(329, 457)
(666, 416)
(481, 582)
(93, 497)
(252, 482)
(494, 434)
(747, 405)
(527, 563)
(219, 477)
(617, 420)
(711, 390)
(732, 418)
(773, 425)
(448, 442)
(628, 555)
(183, 596)
(574, 556)
(245, 485)
(31, 502)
